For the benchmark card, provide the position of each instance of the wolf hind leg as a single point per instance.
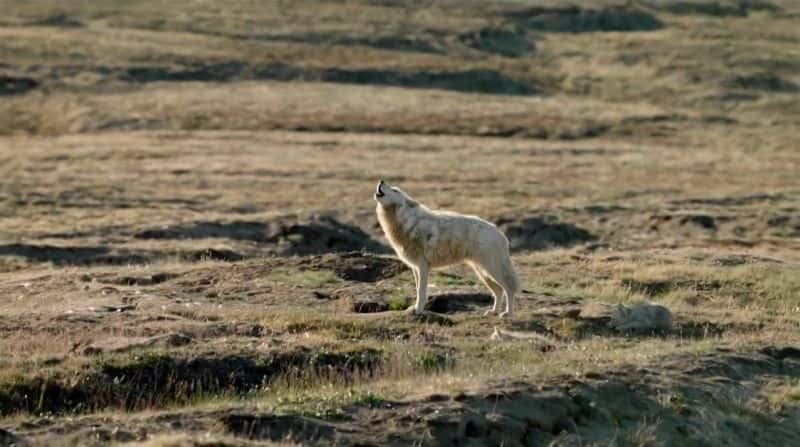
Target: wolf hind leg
(501, 271)
(494, 287)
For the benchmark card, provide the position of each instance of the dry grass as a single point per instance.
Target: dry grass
(168, 153)
(182, 440)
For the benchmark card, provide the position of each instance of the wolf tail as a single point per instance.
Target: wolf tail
(510, 275)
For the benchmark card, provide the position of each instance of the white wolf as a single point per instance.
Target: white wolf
(426, 239)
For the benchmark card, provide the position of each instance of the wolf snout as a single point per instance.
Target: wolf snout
(378, 189)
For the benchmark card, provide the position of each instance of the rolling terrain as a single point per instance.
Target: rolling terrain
(189, 254)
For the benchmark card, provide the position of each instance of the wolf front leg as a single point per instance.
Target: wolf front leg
(422, 287)
(415, 272)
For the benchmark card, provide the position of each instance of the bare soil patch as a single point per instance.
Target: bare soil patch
(508, 42)
(477, 80)
(715, 9)
(286, 236)
(575, 19)
(540, 232)
(12, 85)
(189, 253)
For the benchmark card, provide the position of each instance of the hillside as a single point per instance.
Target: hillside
(189, 253)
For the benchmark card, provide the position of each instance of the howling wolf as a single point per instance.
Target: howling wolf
(426, 239)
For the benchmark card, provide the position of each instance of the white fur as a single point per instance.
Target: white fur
(426, 239)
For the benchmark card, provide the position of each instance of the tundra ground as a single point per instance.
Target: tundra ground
(190, 256)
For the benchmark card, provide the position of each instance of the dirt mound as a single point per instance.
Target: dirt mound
(394, 43)
(107, 255)
(610, 407)
(658, 287)
(518, 417)
(126, 344)
(278, 428)
(737, 259)
(724, 8)
(508, 42)
(414, 44)
(50, 253)
(731, 201)
(215, 254)
(237, 230)
(458, 302)
(768, 82)
(362, 267)
(150, 280)
(541, 232)
(153, 380)
(787, 225)
(437, 304)
(704, 329)
(58, 20)
(320, 235)
(209, 72)
(574, 19)
(598, 408)
(470, 80)
(652, 403)
(288, 236)
(68, 255)
(716, 221)
(13, 85)
(369, 307)
(429, 317)
(695, 220)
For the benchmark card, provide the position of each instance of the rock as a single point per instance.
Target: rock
(641, 317)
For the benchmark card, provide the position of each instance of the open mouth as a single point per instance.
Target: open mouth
(378, 192)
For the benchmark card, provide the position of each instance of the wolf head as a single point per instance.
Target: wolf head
(389, 196)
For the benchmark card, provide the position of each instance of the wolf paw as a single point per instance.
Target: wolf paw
(411, 311)
(490, 312)
(505, 315)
